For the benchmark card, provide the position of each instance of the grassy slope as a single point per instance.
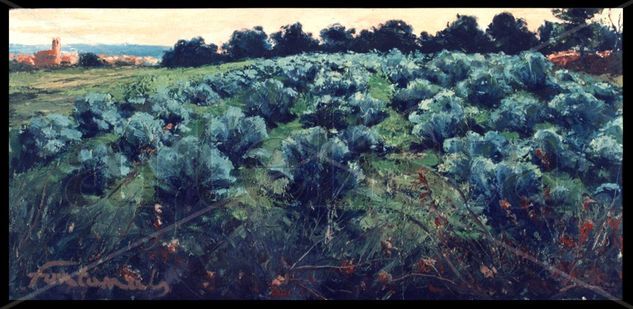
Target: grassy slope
(55, 91)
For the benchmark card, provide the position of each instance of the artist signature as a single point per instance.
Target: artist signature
(83, 279)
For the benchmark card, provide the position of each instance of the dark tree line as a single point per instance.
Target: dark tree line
(505, 34)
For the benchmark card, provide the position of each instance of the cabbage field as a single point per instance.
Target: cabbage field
(328, 176)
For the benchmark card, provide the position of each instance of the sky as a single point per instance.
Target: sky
(166, 26)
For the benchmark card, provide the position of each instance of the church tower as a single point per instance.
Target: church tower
(57, 47)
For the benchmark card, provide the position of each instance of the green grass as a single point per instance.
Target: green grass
(54, 91)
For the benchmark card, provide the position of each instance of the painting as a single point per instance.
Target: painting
(313, 154)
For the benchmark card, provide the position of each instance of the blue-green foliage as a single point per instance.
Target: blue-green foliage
(336, 83)
(271, 100)
(196, 93)
(298, 73)
(438, 118)
(448, 68)
(361, 139)
(529, 70)
(141, 133)
(560, 152)
(100, 166)
(326, 111)
(191, 169)
(319, 168)
(519, 112)
(368, 110)
(236, 135)
(579, 111)
(47, 136)
(169, 109)
(420, 89)
(483, 87)
(231, 83)
(96, 113)
(400, 68)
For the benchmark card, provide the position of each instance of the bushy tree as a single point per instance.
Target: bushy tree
(100, 166)
(394, 34)
(235, 134)
(271, 100)
(552, 39)
(191, 170)
(363, 42)
(192, 53)
(291, 40)
(96, 113)
(462, 35)
(319, 168)
(90, 60)
(576, 16)
(510, 35)
(336, 38)
(248, 43)
(47, 136)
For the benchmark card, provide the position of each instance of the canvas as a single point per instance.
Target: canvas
(312, 154)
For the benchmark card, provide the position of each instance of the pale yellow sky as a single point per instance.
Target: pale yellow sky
(166, 26)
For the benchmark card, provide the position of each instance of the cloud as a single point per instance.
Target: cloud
(166, 26)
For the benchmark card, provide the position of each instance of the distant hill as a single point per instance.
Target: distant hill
(108, 49)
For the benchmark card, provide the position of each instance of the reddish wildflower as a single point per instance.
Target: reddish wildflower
(525, 202)
(487, 272)
(129, 274)
(278, 281)
(546, 193)
(424, 194)
(585, 229)
(586, 202)
(157, 223)
(543, 157)
(440, 221)
(505, 204)
(614, 223)
(347, 267)
(384, 277)
(172, 246)
(426, 265)
(567, 241)
(433, 289)
(422, 177)
(209, 283)
(275, 287)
